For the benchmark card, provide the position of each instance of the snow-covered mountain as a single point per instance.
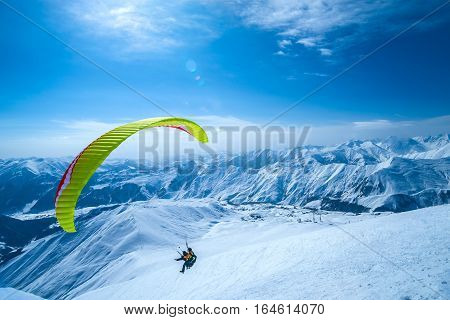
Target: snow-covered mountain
(359, 176)
(244, 252)
(62, 265)
(264, 224)
(14, 294)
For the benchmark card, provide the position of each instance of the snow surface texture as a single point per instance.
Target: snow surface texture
(263, 261)
(248, 252)
(13, 294)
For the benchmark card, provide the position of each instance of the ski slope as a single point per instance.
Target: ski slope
(397, 256)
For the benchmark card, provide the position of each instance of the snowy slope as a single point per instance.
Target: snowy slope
(249, 252)
(297, 261)
(61, 265)
(13, 294)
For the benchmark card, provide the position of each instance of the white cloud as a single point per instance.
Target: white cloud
(315, 74)
(325, 52)
(309, 42)
(220, 121)
(132, 26)
(280, 53)
(379, 128)
(87, 125)
(299, 17)
(321, 134)
(68, 138)
(284, 43)
(142, 26)
(374, 124)
(332, 23)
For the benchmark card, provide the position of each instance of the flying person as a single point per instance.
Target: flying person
(186, 256)
(189, 258)
(193, 257)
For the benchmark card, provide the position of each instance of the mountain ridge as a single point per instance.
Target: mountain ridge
(373, 175)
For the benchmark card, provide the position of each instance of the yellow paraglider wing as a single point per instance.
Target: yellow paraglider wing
(86, 163)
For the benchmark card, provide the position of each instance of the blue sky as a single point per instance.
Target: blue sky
(243, 61)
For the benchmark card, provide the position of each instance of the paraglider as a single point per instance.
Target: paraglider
(86, 163)
(189, 258)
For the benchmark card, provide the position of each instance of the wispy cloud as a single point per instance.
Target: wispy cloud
(86, 125)
(325, 52)
(331, 23)
(220, 121)
(309, 41)
(132, 26)
(280, 53)
(377, 124)
(142, 26)
(70, 137)
(284, 43)
(378, 128)
(315, 74)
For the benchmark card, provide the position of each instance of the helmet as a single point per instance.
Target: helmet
(189, 249)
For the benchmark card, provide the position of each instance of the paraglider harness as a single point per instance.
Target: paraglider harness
(188, 257)
(192, 258)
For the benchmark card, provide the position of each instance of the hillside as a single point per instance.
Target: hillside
(245, 253)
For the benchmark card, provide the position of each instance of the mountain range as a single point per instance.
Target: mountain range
(358, 176)
(294, 208)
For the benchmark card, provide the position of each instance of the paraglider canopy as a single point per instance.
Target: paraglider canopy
(86, 163)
